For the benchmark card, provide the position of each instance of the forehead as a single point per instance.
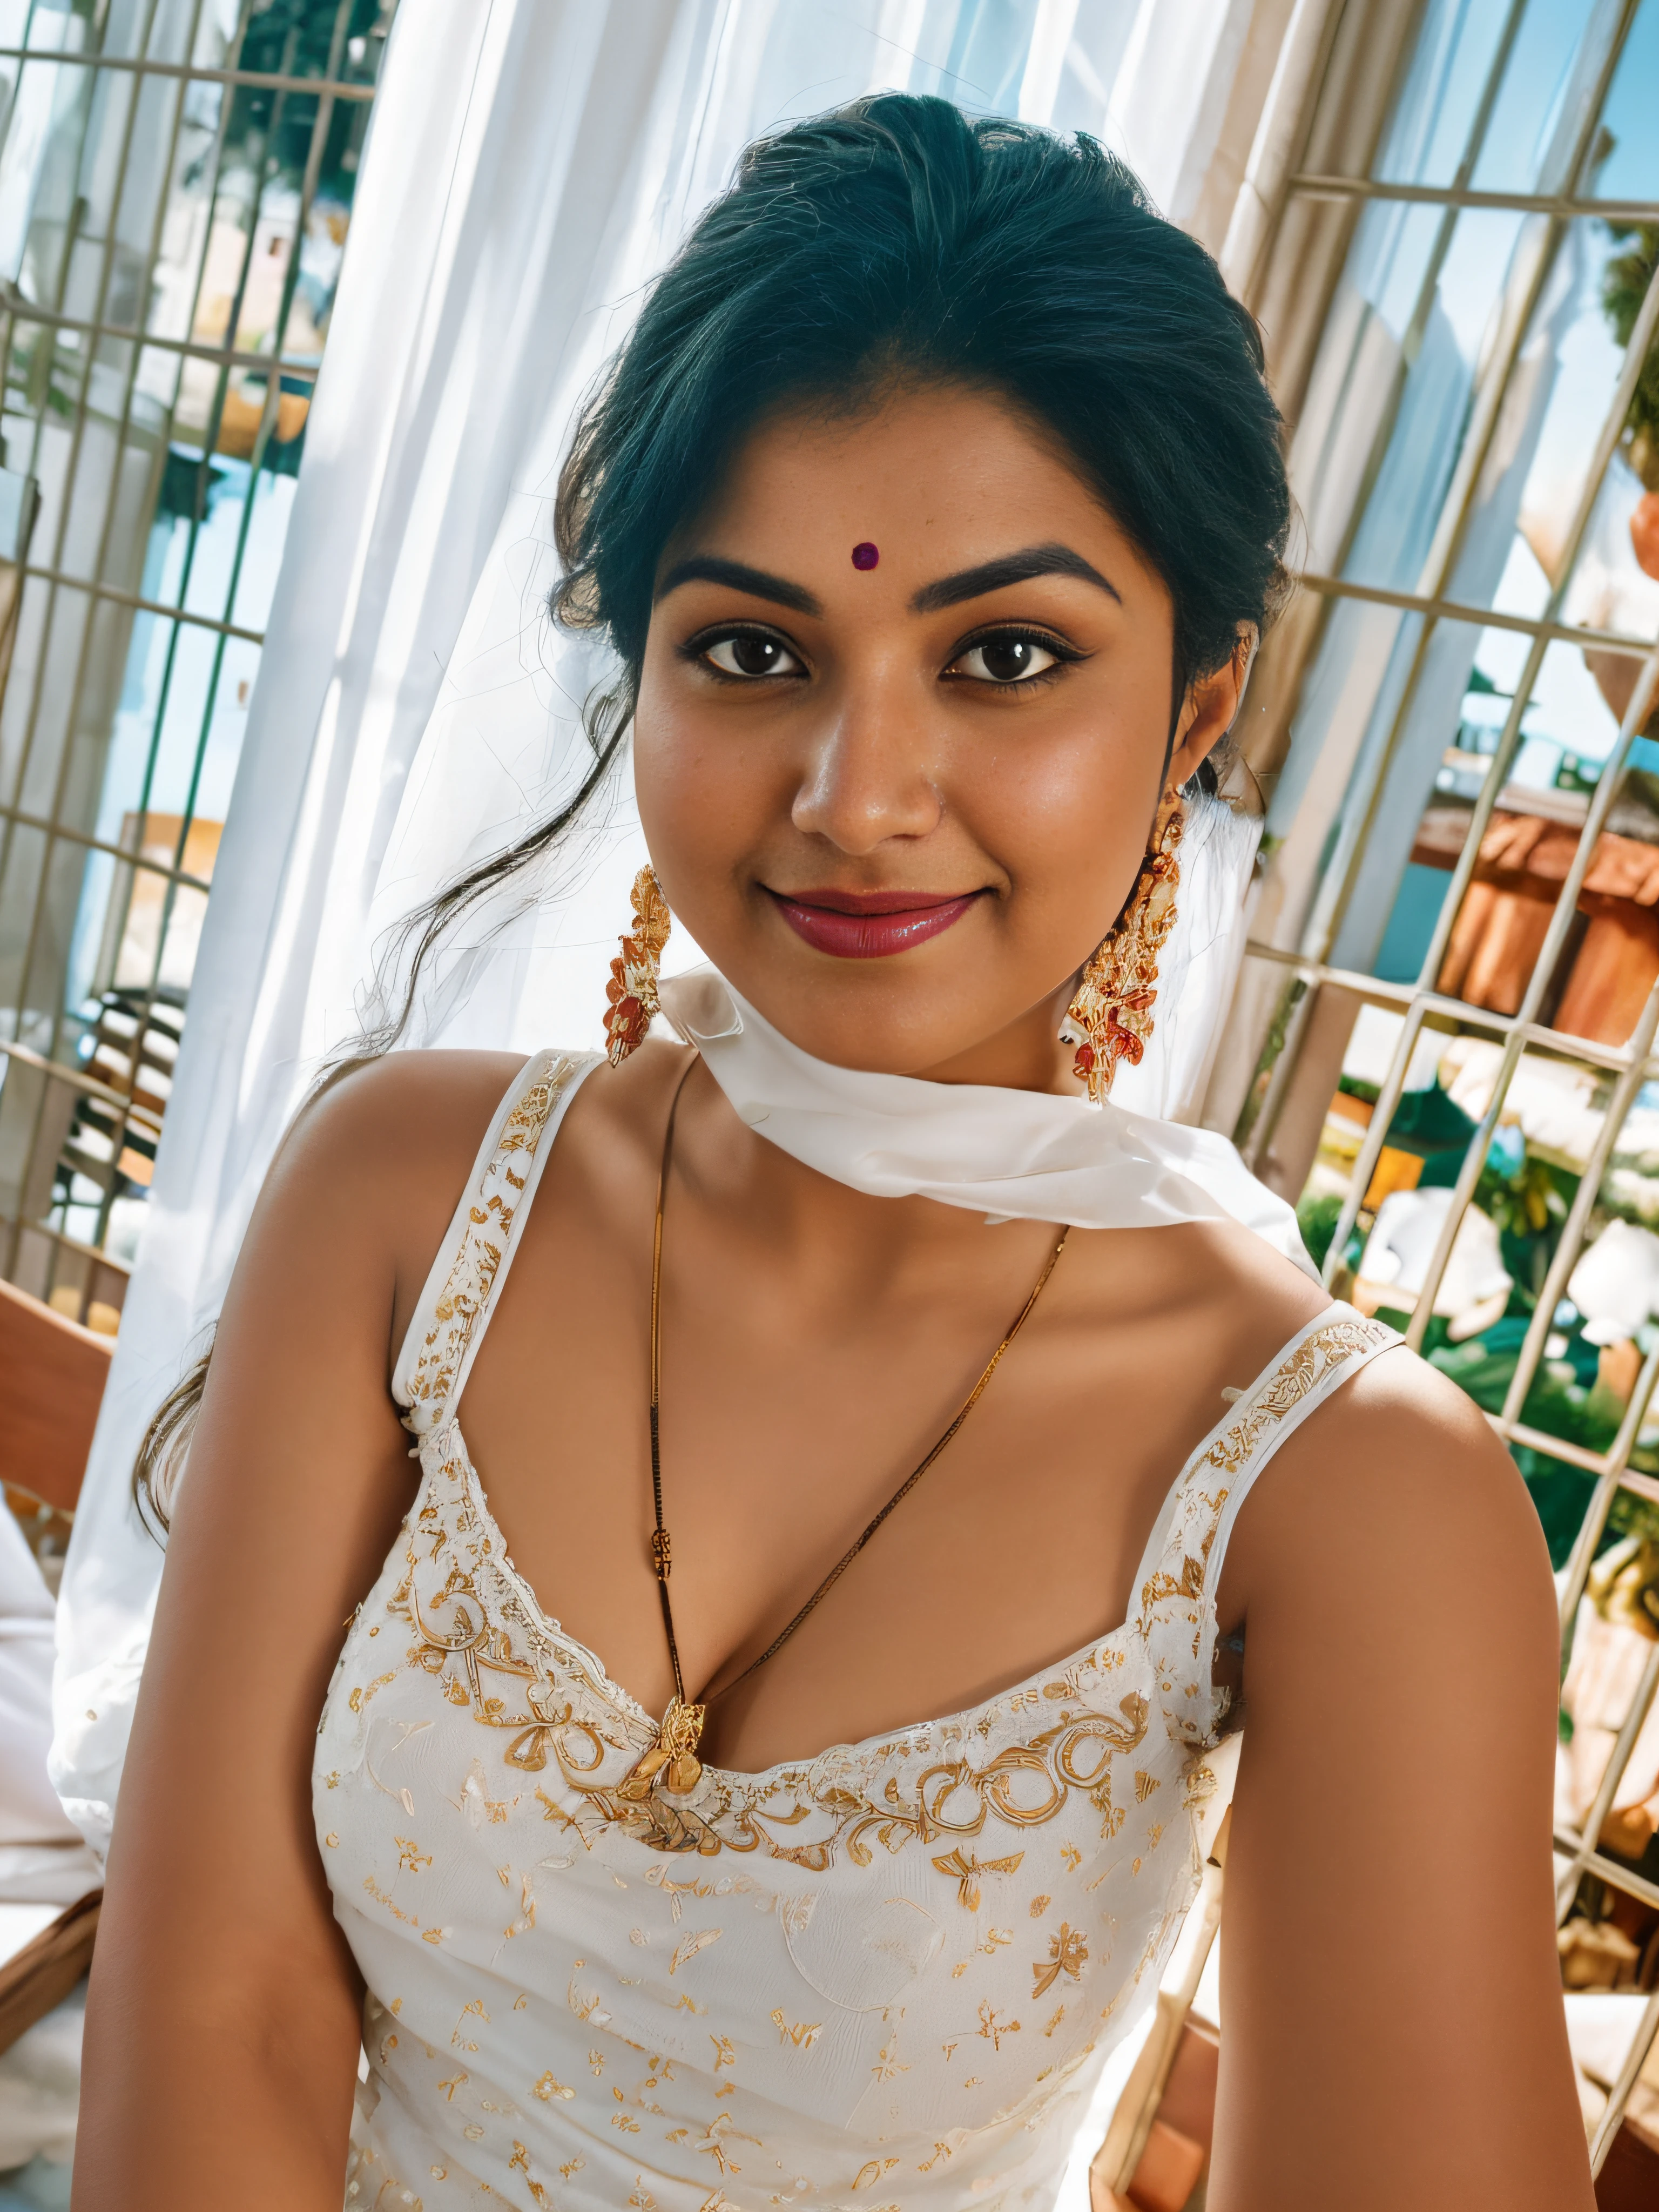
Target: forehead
(935, 477)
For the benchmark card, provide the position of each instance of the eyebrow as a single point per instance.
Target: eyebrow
(737, 576)
(1051, 559)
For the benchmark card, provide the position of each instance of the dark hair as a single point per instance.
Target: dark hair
(896, 240)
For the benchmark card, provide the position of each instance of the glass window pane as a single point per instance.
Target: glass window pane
(1421, 764)
(1614, 584)
(183, 940)
(23, 861)
(1408, 370)
(168, 37)
(322, 250)
(188, 696)
(128, 763)
(1544, 100)
(1522, 516)
(1453, 695)
(186, 221)
(1429, 130)
(301, 42)
(218, 542)
(142, 192)
(1610, 960)
(1628, 164)
(262, 555)
(193, 210)
(1357, 367)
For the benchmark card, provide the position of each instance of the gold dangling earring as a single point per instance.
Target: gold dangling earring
(1110, 1018)
(632, 990)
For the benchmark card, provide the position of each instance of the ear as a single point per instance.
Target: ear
(1211, 708)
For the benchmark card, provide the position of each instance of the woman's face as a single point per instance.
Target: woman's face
(901, 733)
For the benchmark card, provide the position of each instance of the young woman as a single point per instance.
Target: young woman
(830, 1363)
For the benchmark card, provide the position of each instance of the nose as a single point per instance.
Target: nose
(870, 775)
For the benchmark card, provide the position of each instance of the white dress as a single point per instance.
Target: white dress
(886, 1976)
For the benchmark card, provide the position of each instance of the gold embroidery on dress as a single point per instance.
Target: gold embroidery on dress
(1024, 1786)
(1094, 1739)
(559, 1708)
(479, 1257)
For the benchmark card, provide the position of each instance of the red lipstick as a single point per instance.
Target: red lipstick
(869, 925)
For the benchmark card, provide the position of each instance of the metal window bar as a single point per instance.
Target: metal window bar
(1487, 402)
(335, 87)
(1463, 196)
(1309, 967)
(13, 304)
(65, 513)
(142, 606)
(70, 333)
(1426, 603)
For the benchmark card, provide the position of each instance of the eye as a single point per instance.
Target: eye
(1011, 656)
(744, 653)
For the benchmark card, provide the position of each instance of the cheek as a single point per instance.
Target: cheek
(1065, 814)
(703, 795)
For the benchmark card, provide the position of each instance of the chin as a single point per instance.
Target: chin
(892, 1017)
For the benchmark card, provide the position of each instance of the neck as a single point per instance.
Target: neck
(1026, 1055)
(854, 1239)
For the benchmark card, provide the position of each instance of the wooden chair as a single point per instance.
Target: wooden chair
(55, 1375)
(56, 1371)
(42, 1974)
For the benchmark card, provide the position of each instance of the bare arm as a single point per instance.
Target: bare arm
(1393, 2031)
(222, 2022)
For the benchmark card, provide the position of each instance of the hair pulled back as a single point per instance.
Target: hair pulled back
(899, 241)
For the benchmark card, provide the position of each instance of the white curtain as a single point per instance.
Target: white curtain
(530, 164)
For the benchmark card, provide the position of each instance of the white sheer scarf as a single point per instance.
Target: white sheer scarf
(1008, 1155)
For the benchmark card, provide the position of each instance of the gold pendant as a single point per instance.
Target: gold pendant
(674, 1756)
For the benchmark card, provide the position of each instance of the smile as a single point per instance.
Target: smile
(869, 925)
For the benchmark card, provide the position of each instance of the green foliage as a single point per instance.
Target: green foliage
(1316, 1217)
(1529, 1207)
(1624, 285)
(1564, 1401)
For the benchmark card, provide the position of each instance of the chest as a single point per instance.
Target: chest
(900, 1936)
(781, 1435)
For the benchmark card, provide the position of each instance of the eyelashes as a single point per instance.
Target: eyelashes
(1008, 654)
(1010, 657)
(743, 652)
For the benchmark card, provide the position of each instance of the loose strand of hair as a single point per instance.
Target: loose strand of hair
(159, 1465)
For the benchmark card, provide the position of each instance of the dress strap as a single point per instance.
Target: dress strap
(1181, 1569)
(466, 1279)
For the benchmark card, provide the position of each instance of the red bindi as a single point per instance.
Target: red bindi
(864, 555)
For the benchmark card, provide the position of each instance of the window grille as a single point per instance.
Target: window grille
(176, 180)
(1444, 1037)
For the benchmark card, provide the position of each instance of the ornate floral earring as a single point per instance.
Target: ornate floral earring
(632, 990)
(1110, 1018)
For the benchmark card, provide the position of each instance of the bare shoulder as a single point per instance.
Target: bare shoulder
(407, 1111)
(369, 1174)
(1397, 1494)
(1399, 1446)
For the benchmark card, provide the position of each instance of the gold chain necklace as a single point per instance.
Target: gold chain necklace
(671, 1762)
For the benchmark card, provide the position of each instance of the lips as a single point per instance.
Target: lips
(869, 925)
